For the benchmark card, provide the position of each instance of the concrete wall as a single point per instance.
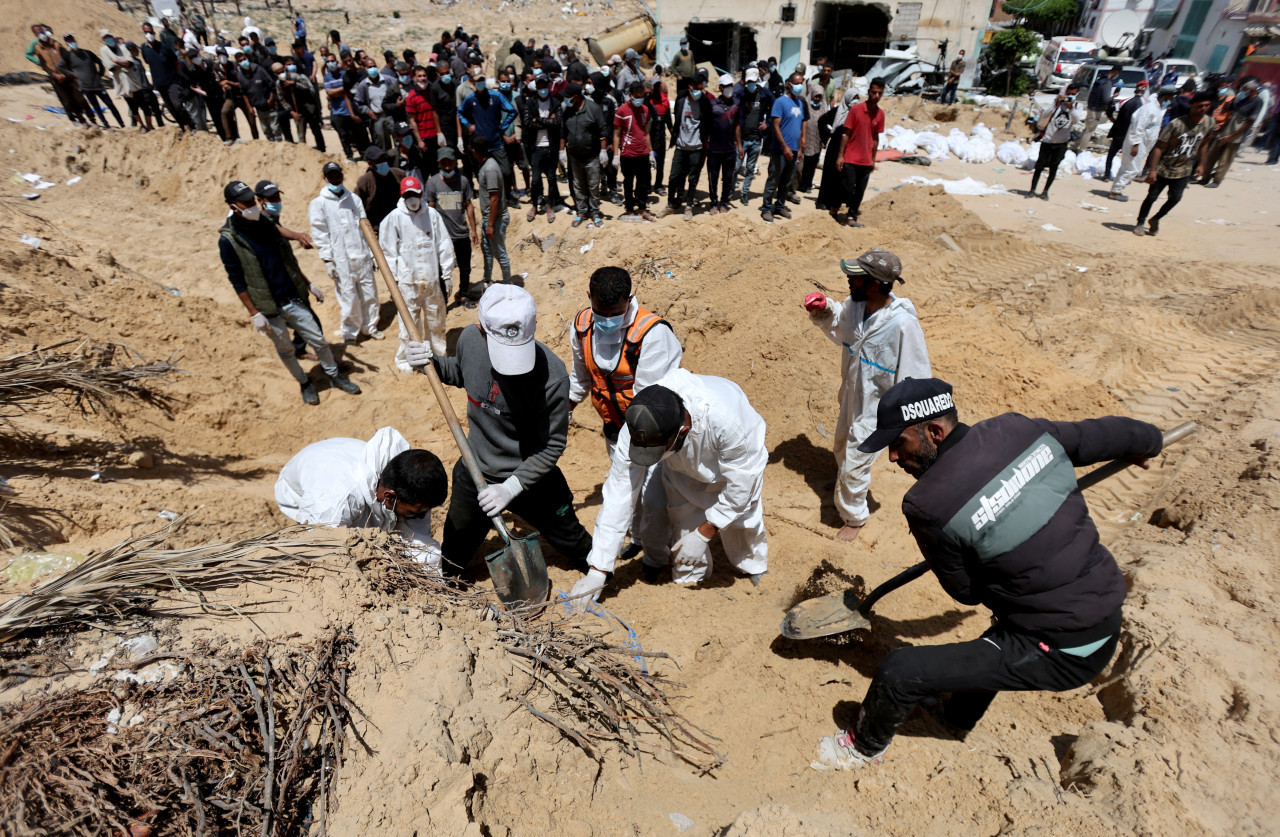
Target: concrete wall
(1219, 30)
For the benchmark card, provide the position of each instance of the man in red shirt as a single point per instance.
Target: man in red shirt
(422, 119)
(857, 157)
(631, 138)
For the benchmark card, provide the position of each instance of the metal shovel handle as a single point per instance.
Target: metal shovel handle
(437, 387)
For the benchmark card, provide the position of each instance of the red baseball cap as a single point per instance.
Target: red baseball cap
(411, 184)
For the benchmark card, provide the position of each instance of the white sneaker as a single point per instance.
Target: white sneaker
(836, 752)
(375, 333)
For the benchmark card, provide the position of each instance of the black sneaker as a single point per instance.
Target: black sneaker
(344, 383)
(652, 575)
(309, 394)
(1153, 227)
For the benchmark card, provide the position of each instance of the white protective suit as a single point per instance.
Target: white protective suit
(1143, 132)
(335, 230)
(333, 483)
(420, 255)
(878, 352)
(717, 476)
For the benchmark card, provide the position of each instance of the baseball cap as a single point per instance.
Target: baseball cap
(615, 59)
(572, 89)
(880, 265)
(374, 154)
(726, 80)
(401, 128)
(410, 184)
(237, 191)
(630, 53)
(331, 168)
(446, 152)
(509, 318)
(684, 41)
(908, 402)
(753, 74)
(653, 417)
(102, 33)
(266, 189)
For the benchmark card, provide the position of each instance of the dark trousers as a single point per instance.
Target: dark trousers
(658, 143)
(775, 188)
(547, 506)
(1175, 187)
(543, 163)
(311, 122)
(100, 96)
(635, 183)
(720, 173)
(856, 179)
(949, 93)
(173, 99)
(71, 98)
(462, 263)
(284, 118)
(213, 108)
(351, 134)
(143, 105)
(686, 169)
(1117, 143)
(229, 106)
(1051, 154)
(1000, 661)
(807, 170)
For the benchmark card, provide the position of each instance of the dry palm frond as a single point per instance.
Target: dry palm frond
(597, 690)
(242, 743)
(88, 378)
(130, 576)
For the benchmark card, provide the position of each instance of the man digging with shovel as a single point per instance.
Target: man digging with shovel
(1000, 520)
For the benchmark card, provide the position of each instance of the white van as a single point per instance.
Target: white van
(1061, 58)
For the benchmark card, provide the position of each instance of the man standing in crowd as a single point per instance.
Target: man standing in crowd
(693, 129)
(227, 75)
(711, 446)
(953, 80)
(629, 74)
(369, 94)
(1244, 110)
(683, 67)
(754, 106)
(264, 272)
(816, 134)
(1033, 558)
(786, 135)
(449, 194)
(423, 119)
(299, 101)
(486, 114)
(1055, 134)
(378, 188)
(583, 145)
(259, 88)
(87, 68)
(162, 61)
(882, 344)
(419, 251)
(1101, 106)
(335, 217)
(518, 419)
(494, 218)
(442, 95)
(857, 158)
(341, 110)
(379, 484)
(541, 131)
(1120, 128)
(724, 146)
(1178, 156)
(631, 138)
(1143, 131)
(115, 57)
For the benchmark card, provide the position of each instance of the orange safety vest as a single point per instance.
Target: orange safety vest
(611, 392)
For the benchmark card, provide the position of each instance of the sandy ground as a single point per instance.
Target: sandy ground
(1183, 737)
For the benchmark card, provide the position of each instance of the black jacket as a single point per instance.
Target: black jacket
(1124, 118)
(704, 125)
(531, 121)
(583, 128)
(1001, 522)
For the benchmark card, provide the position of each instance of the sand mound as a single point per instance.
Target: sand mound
(81, 18)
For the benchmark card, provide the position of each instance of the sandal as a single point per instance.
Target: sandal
(533, 213)
(576, 222)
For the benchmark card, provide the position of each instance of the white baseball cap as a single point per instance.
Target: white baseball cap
(753, 74)
(726, 80)
(509, 318)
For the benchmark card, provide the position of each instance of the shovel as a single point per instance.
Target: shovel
(518, 570)
(840, 612)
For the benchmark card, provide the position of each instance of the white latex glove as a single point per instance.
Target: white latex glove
(495, 498)
(604, 158)
(564, 158)
(615, 161)
(587, 590)
(317, 293)
(332, 270)
(461, 145)
(418, 355)
(260, 323)
(691, 556)
(448, 287)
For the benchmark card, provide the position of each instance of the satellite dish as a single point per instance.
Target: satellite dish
(1119, 29)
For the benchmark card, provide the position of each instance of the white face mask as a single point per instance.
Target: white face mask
(253, 213)
(412, 204)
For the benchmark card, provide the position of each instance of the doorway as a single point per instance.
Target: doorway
(727, 44)
(846, 32)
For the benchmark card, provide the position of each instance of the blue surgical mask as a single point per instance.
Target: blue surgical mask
(537, 71)
(332, 66)
(696, 94)
(504, 86)
(635, 103)
(403, 79)
(407, 140)
(383, 168)
(447, 78)
(244, 64)
(752, 87)
(609, 325)
(274, 208)
(373, 73)
(544, 92)
(797, 89)
(336, 188)
(293, 68)
(111, 42)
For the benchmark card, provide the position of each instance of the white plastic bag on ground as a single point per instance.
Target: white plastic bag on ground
(1068, 163)
(966, 186)
(904, 142)
(932, 143)
(1011, 153)
(1089, 164)
(981, 130)
(1033, 154)
(980, 150)
(958, 143)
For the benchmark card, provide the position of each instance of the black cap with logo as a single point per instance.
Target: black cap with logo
(653, 417)
(237, 191)
(908, 402)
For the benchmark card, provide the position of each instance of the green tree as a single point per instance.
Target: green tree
(1001, 56)
(1042, 11)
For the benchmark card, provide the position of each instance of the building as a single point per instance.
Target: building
(1210, 33)
(851, 35)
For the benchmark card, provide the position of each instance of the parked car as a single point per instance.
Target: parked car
(1060, 59)
(1173, 71)
(1130, 75)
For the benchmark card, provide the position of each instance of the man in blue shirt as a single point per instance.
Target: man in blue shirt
(488, 114)
(340, 108)
(786, 136)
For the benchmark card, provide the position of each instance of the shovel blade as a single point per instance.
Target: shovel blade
(824, 616)
(519, 571)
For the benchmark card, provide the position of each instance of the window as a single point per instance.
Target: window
(1191, 26)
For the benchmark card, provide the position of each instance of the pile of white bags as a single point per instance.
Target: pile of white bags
(932, 143)
(1012, 154)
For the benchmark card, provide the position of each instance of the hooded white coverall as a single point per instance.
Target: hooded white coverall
(878, 351)
(335, 230)
(1143, 132)
(717, 476)
(333, 483)
(420, 255)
